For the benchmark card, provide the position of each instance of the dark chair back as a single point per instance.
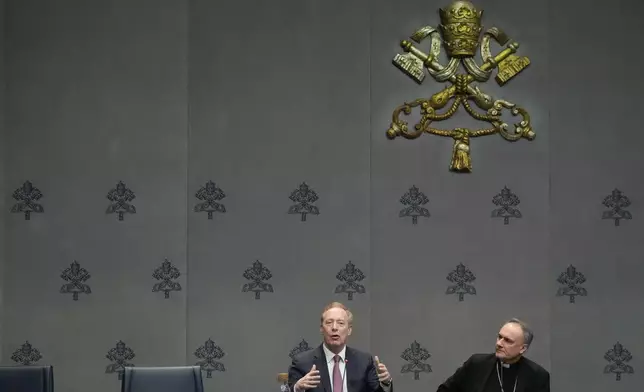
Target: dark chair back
(26, 379)
(162, 379)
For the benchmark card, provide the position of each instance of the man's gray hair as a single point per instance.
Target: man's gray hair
(528, 335)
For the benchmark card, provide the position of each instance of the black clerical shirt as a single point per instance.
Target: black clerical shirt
(508, 376)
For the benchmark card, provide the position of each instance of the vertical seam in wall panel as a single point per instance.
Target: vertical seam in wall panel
(3, 89)
(550, 263)
(370, 201)
(188, 129)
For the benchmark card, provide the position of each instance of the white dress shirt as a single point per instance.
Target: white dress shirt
(330, 363)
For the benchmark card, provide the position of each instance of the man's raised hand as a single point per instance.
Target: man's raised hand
(309, 381)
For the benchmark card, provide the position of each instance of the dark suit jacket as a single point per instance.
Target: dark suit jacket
(473, 374)
(360, 371)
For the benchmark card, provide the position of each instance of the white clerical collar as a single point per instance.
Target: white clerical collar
(329, 355)
(509, 365)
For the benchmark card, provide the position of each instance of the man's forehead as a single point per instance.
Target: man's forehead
(511, 331)
(336, 314)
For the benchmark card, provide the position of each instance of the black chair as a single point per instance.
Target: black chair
(162, 379)
(26, 379)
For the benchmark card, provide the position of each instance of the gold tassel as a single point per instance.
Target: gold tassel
(461, 161)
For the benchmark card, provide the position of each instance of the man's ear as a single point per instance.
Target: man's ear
(523, 349)
(350, 330)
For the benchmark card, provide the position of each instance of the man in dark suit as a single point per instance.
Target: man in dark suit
(506, 371)
(334, 367)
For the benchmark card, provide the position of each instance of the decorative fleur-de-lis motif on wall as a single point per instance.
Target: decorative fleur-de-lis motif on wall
(571, 279)
(210, 194)
(461, 277)
(166, 273)
(416, 355)
(76, 276)
(350, 276)
(257, 274)
(300, 348)
(507, 202)
(618, 357)
(26, 355)
(121, 198)
(119, 355)
(26, 197)
(209, 354)
(616, 201)
(304, 197)
(414, 199)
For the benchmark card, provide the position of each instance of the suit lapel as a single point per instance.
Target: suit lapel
(321, 365)
(486, 368)
(351, 368)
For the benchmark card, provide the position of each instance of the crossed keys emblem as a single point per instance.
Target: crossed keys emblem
(459, 34)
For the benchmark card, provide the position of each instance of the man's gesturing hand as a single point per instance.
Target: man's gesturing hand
(383, 373)
(309, 381)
